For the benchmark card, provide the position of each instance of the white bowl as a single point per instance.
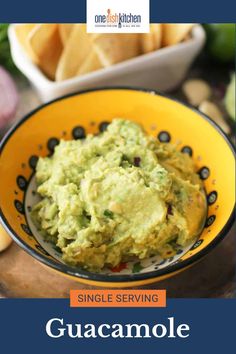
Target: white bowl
(162, 69)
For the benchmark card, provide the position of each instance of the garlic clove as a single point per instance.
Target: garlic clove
(196, 91)
(211, 110)
(5, 239)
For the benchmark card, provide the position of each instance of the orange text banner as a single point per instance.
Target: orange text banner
(118, 298)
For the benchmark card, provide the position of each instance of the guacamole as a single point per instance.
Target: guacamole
(117, 196)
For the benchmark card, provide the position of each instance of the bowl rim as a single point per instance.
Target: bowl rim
(123, 278)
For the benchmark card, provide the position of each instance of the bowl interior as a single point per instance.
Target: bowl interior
(38, 133)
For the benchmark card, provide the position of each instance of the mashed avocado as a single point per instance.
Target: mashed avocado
(116, 196)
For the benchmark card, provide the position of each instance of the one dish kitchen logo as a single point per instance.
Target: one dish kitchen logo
(118, 20)
(122, 16)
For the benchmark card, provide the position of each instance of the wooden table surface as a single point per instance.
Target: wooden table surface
(23, 276)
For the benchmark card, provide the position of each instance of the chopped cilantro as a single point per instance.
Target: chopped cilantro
(108, 213)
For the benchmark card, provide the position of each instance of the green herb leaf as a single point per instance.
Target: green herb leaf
(137, 268)
(108, 213)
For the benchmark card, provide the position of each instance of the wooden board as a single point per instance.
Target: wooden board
(214, 276)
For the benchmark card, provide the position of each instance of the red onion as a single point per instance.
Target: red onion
(137, 161)
(9, 98)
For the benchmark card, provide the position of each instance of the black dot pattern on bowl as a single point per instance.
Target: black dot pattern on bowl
(196, 244)
(78, 133)
(52, 143)
(204, 172)
(164, 137)
(33, 161)
(175, 262)
(57, 249)
(161, 263)
(19, 206)
(212, 197)
(187, 150)
(210, 220)
(21, 182)
(26, 229)
(103, 126)
(42, 250)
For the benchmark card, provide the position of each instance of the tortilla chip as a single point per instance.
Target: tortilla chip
(147, 43)
(46, 43)
(22, 32)
(156, 30)
(65, 31)
(151, 41)
(114, 48)
(174, 33)
(76, 51)
(92, 63)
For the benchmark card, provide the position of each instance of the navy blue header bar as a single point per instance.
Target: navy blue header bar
(207, 11)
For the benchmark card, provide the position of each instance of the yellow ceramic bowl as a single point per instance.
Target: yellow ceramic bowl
(168, 120)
